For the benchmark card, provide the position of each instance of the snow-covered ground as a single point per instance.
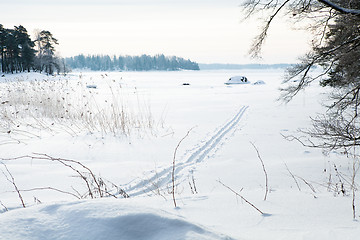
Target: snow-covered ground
(221, 127)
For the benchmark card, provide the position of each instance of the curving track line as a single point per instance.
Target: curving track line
(163, 178)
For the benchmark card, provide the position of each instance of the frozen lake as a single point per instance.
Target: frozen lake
(125, 126)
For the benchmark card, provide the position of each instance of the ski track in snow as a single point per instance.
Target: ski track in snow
(160, 180)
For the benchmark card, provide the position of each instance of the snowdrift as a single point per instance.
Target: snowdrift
(259, 82)
(108, 219)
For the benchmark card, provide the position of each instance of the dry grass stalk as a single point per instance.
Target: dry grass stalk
(11, 179)
(68, 106)
(96, 186)
(293, 176)
(244, 199)
(265, 173)
(5, 208)
(173, 166)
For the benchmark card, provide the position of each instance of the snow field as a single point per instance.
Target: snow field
(225, 120)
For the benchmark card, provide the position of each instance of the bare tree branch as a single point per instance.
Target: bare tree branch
(96, 186)
(339, 8)
(259, 40)
(49, 188)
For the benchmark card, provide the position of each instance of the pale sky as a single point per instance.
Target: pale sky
(205, 31)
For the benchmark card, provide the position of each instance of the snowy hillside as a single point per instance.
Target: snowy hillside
(63, 143)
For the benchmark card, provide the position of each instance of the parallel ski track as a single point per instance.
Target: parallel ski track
(162, 179)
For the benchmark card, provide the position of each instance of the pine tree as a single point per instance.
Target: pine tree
(46, 60)
(26, 52)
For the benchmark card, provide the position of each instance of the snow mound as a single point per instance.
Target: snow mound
(259, 82)
(108, 219)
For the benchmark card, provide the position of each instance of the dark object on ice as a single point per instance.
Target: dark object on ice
(91, 86)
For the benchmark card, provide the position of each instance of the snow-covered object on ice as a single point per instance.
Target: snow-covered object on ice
(259, 82)
(237, 80)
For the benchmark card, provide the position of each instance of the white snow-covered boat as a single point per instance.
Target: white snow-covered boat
(237, 80)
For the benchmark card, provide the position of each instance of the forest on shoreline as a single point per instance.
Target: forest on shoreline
(144, 62)
(19, 53)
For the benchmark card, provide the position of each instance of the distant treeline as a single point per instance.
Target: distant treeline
(213, 66)
(130, 63)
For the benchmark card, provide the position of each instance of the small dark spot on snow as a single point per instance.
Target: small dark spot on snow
(91, 86)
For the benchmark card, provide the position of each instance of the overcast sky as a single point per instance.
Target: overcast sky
(206, 31)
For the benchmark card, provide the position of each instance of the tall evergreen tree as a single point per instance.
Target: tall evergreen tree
(26, 52)
(11, 51)
(3, 33)
(17, 53)
(46, 60)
